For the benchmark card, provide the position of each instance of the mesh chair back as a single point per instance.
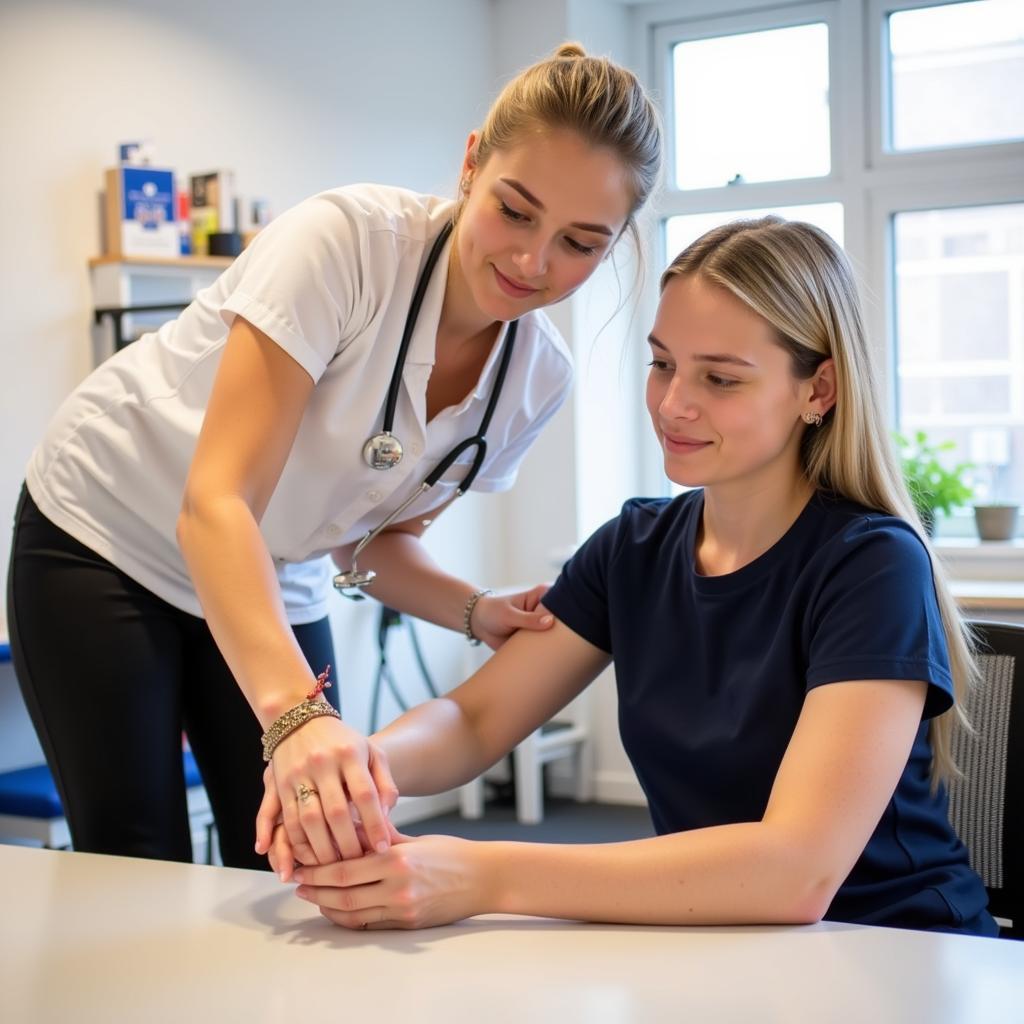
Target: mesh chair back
(985, 806)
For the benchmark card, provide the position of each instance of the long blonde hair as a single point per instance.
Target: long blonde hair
(603, 102)
(797, 278)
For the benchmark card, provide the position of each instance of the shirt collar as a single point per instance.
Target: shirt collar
(485, 382)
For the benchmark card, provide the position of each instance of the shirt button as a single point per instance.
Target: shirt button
(374, 495)
(414, 449)
(333, 529)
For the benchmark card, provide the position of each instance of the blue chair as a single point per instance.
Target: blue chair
(30, 807)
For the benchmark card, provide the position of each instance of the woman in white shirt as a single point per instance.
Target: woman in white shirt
(170, 542)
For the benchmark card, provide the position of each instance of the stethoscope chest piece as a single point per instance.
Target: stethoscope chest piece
(350, 581)
(382, 451)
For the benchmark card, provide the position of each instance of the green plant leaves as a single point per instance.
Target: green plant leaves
(932, 486)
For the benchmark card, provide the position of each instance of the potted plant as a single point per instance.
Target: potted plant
(932, 486)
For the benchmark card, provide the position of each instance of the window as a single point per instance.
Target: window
(956, 74)
(896, 126)
(778, 130)
(960, 336)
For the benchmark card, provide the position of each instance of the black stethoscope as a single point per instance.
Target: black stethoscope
(384, 450)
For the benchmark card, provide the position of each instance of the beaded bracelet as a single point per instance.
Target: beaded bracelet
(322, 683)
(291, 720)
(468, 614)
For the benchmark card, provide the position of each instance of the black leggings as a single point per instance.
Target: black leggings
(111, 675)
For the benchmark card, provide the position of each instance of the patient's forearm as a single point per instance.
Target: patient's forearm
(729, 874)
(433, 748)
(451, 740)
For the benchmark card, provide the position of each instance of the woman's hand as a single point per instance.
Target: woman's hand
(283, 859)
(316, 773)
(419, 883)
(495, 618)
(271, 837)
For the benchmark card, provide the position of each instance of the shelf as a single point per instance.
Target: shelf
(184, 262)
(136, 294)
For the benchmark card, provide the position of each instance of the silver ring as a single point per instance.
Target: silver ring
(304, 792)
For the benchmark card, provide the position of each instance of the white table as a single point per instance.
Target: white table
(90, 938)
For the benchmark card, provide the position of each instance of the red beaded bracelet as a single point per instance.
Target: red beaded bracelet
(321, 684)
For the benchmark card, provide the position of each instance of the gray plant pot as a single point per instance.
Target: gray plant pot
(996, 522)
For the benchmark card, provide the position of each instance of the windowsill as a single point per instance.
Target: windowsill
(968, 557)
(984, 573)
(983, 548)
(999, 595)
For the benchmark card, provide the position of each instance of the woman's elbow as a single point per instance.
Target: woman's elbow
(799, 881)
(803, 867)
(809, 909)
(181, 526)
(200, 513)
(188, 514)
(810, 896)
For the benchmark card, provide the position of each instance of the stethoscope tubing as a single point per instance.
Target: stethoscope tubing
(395, 384)
(352, 578)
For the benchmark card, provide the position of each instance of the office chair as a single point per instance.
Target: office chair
(986, 806)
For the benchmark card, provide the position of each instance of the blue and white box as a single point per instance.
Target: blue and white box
(141, 212)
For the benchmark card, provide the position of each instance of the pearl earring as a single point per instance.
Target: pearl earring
(812, 419)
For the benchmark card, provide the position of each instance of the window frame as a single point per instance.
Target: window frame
(872, 183)
(904, 197)
(682, 201)
(879, 109)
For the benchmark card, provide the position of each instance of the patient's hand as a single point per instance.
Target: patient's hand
(283, 859)
(421, 882)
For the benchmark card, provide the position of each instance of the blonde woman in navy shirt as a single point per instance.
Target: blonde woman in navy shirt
(788, 655)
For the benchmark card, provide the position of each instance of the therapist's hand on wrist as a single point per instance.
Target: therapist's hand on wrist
(496, 617)
(329, 778)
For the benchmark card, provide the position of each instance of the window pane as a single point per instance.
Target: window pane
(960, 337)
(752, 107)
(681, 231)
(957, 74)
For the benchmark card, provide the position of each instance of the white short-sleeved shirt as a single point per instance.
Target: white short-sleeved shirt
(330, 281)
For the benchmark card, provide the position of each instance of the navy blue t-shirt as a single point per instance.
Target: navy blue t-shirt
(712, 672)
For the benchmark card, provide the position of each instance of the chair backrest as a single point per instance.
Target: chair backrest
(986, 806)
